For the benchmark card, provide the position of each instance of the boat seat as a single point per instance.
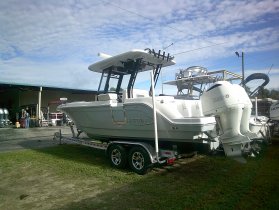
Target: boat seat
(137, 93)
(140, 93)
(107, 97)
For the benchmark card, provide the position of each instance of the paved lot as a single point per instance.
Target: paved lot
(31, 138)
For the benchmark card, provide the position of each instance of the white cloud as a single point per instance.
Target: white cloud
(63, 36)
(71, 75)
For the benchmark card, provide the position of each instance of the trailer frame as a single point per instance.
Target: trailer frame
(141, 156)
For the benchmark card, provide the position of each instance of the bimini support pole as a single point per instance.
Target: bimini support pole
(154, 116)
(256, 107)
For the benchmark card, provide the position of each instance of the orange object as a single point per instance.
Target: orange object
(17, 124)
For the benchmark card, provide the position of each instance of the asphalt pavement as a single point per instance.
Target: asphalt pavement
(30, 138)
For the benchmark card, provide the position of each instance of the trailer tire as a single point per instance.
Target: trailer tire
(117, 156)
(139, 160)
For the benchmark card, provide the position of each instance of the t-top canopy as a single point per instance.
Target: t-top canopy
(194, 80)
(148, 57)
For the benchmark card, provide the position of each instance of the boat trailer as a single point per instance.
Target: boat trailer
(140, 156)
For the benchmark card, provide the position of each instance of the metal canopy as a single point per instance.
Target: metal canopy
(130, 63)
(119, 64)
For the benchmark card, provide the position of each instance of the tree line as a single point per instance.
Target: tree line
(266, 93)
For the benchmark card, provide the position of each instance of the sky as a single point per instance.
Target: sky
(52, 43)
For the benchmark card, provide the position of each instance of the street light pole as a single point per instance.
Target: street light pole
(242, 62)
(243, 77)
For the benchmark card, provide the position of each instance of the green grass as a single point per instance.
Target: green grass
(77, 177)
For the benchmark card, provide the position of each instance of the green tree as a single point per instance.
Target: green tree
(274, 94)
(266, 93)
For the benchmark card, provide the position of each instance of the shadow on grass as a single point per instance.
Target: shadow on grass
(84, 154)
(211, 182)
(208, 183)
(88, 155)
(78, 153)
(167, 189)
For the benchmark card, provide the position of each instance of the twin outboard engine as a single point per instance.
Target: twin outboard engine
(6, 116)
(231, 106)
(2, 121)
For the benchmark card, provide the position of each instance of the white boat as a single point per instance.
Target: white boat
(128, 114)
(258, 123)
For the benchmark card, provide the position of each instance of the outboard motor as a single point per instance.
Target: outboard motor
(6, 117)
(2, 122)
(245, 119)
(222, 100)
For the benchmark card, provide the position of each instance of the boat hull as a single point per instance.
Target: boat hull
(134, 122)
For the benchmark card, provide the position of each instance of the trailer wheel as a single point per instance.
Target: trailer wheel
(117, 156)
(139, 160)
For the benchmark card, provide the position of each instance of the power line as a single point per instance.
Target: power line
(139, 15)
(168, 46)
(199, 48)
(126, 10)
(270, 69)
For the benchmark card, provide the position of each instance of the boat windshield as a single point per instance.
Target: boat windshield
(112, 85)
